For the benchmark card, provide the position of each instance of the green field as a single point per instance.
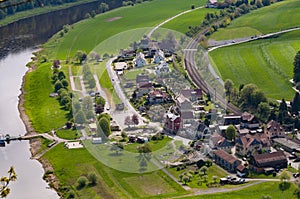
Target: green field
(256, 191)
(267, 63)
(111, 183)
(44, 112)
(273, 18)
(88, 33)
(182, 23)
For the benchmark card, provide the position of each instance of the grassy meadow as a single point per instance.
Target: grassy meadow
(256, 191)
(273, 18)
(267, 63)
(111, 183)
(194, 18)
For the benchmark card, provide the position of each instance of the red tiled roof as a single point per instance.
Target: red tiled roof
(269, 157)
(225, 156)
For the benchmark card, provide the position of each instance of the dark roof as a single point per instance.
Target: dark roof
(189, 92)
(225, 156)
(269, 157)
(187, 115)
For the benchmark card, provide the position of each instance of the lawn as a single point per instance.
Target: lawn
(255, 191)
(267, 63)
(68, 134)
(149, 185)
(111, 183)
(212, 171)
(131, 75)
(273, 18)
(44, 112)
(194, 18)
(154, 144)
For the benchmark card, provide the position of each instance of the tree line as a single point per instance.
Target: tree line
(10, 7)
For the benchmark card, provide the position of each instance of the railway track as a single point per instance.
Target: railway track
(190, 66)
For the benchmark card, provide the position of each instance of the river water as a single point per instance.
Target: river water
(17, 41)
(30, 172)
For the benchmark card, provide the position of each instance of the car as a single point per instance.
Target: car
(296, 175)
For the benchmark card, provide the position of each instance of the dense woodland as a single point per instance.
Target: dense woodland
(10, 7)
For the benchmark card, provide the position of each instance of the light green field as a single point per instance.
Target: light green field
(273, 18)
(44, 112)
(256, 191)
(266, 63)
(111, 183)
(130, 75)
(182, 23)
(89, 33)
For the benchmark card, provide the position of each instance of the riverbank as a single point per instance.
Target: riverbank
(35, 143)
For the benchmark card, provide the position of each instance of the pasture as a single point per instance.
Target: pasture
(267, 63)
(273, 18)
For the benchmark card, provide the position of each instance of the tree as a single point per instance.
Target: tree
(296, 63)
(145, 148)
(65, 83)
(214, 178)
(135, 119)
(204, 169)
(230, 132)
(56, 64)
(81, 182)
(103, 7)
(296, 104)
(104, 125)
(58, 85)
(92, 178)
(80, 117)
(127, 121)
(263, 110)
(266, 2)
(228, 85)
(117, 147)
(80, 56)
(185, 179)
(61, 75)
(4, 182)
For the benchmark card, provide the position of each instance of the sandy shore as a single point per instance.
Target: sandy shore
(35, 144)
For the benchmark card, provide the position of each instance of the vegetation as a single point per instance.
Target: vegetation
(4, 188)
(230, 132)
(266, 63)
(252, 23)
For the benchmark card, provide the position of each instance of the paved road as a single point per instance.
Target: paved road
(218, 44)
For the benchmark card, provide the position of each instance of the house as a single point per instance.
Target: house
(252, 144)
(158, 96)
(143, 84)
(212, 4)
(288, 144)
(274, 129)
(120, 67)
(265, 162)
(183, 103)
(226, 160)
(93, 127)
(192, 94)
(249, 121)
(232, 119)
(219, 142)
(172, 122)
(158, 57)
(241, 171)
(126, 53)
(162, 68)
(187, 117)
(139, 60)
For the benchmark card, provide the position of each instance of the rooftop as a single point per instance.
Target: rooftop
(225, 156)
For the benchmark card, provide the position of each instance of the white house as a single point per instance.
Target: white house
(162, 68)
(159, 56)
(120, 67)
(139, 60)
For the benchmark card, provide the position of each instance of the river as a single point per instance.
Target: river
(16, 46)
(29, 182)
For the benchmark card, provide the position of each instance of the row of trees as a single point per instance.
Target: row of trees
(229, 11)
(61, 87)
(88, 76)
(10, 7)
